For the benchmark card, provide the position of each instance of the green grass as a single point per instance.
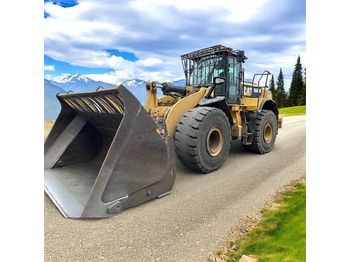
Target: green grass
(293, 111)
(281, 236)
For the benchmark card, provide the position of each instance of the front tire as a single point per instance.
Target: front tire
(202, 139)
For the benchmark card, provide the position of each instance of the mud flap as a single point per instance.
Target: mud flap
(105, 154)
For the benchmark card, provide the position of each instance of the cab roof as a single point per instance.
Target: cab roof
(209, 51)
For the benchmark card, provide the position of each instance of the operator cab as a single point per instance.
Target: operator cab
(200, 68)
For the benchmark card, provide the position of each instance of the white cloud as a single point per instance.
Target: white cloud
(125, 70)
(151, 61)
(237, 10)
(49, 67)
(107, 78)
(158, 32)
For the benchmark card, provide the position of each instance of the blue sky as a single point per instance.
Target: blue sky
(116, 40)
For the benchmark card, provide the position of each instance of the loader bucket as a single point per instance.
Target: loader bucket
(105, 154)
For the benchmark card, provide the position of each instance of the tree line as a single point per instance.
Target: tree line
(297, 91)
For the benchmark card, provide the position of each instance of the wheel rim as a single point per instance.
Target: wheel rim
(268, 133)
(215, 141)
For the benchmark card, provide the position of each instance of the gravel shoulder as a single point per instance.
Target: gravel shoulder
(199, 216)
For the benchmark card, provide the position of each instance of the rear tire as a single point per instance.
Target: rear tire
(265, 132)
(202, 139)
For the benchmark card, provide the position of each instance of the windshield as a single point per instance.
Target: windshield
(201, 71)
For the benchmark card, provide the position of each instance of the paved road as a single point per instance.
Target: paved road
(194, 219)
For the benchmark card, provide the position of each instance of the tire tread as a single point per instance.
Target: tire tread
(186, 137)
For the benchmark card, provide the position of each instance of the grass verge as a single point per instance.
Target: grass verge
(281, 235)
(293, 111)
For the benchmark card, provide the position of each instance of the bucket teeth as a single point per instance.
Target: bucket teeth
(105, 154)
(98, 103)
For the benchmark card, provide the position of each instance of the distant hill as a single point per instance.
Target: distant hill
(77, 83)
(51, 105)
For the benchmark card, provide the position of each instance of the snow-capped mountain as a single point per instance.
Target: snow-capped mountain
(134, 83)
(69, 78)
(76, 83)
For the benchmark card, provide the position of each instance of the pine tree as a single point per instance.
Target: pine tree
(287, 103)
(272, 87)
(280, 92)
(296, 85)
(302, 98)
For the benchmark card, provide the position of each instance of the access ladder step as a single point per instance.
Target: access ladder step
(248, 139)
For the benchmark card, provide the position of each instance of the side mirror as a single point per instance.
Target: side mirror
(219, 80)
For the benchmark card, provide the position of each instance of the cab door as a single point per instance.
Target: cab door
(232, 80)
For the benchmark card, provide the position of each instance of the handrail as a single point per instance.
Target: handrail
(265, 73)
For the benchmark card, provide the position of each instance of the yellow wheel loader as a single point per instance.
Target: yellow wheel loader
(106, 152)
